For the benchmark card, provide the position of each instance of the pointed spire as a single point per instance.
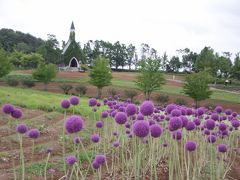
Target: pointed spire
(72, 26)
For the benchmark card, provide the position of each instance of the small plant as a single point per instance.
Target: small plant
(66, 88)
(12, 82)
(162, 99)
(181, 102)
(81, 90)
(28, 83)
(130, 94)
(112, 92)
(84, 67)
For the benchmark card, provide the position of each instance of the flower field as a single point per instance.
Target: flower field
(111, 139)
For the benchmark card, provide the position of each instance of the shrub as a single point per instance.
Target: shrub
(81, 90)
(84, 67)
(211, 106)
(162, 99)
(180, 101)
(66, 88)
(12, 82)
(28, 83)
(112, 92)
(130, 94)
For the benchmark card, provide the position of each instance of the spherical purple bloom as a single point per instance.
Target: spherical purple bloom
(200, 111)
(115, 133)
(170, 107)
(33, 133)
(65, 104)
(77, 140)
(190, 126)
(71, 160)
(222, 148)
(16, 113)
(121, 118)
(234, 114)
(197, 121)
(105, 100)
(165, 144)
(100, 159)
(189, 111)
(215, 116)
(49, 150)
(95, 165)
(210, 124)
(190, 145)
(95, 138)
(127, 125)
(175, 123)
(131, 109)
(211, 138)
(235, 123)
(116, 144)
(99, 124)
(219, 109)
(228, 111)
(8, 108)
(156, 130)
(140, 117)
(74, 124)
(104, 114)
(177, 135)
(147, 108)
(141, 128)
(98, 104)
(74, 100)
(184, 121)
(176, 112)
(21, 128)
(222, 126)
(206, 132)
(92, 102)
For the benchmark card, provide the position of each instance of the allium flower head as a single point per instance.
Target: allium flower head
(190, 126)
(99, 124)
(116, 144)
(184, 121)
(170, 107)
(121, 118)
(49, 150)
(175, 123)
(235, 123)
(65, 104)
(98, 104)
(156, 130)
(228, 111)
(177, 135)
(211, 138)
(210, 124)
(197, 121)
(131, 109)
(215, 116)
(100, 159)
(74, 124)
(176, 112)
(92, 102)
(200, 111)
(33, 133)
(21, 128)
(222, 148)
(190, 145)
(222, 126)
(219, 109)
(8, 108)
(71, 160)
(147, 108)
(95, 165)
(77, 140)
(189, 111)
(140, 117)
(74, 100)
(16, 113)
(141, 128)
(105, 100)
(104, 114)
(95, 138)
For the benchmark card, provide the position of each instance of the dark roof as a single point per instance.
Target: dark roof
(72, 26)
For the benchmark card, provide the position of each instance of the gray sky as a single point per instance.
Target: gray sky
(165, 25)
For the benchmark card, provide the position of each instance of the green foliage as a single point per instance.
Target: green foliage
(236, 67)
(12, 82)
(37, 169)
(174, 64)
(196, 86)
(66, 88)
(28, 83)
(129, 93)
(5, 66)
(45, 73)
(100, 75)
(81, 90)
(150, 77)
(162, 99)
(74, 50)
(84, 67)
(181, 101)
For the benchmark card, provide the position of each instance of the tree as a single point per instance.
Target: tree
(130, 55)
(236, 67)
(31, 61)
(188, 59)
(100, 75)
(164, 61)
(174, 64)
(196, 86)
(45, 73)
(5, 66)
(223, 65)
(150, 77)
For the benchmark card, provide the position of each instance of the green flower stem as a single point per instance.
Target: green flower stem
(22, 157)
(45, 168)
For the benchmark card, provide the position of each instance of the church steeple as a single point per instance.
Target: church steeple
(72, 32)
(72, 27)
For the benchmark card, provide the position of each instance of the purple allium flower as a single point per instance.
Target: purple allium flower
(115, 133)
(184, 121)
(147, 108)
(95, 165)
(99, 124)
(234, 114)
(235, 123)
(74, 100)
(200, 111)
(156, 130)
(177, 135)
(16, 113)
(222, 148)
(128, 131)
(222, 126)
(77, 140)
(228, 111)
(176, 112)
(49, 150)
(33, 133)
(151, 122)
(98, 104)
(92, 102)
(219, 109)
(170, 107)
(21, 128)
(94, 110)
(100, 159)
(121, 118)
(95, 138)
(71, 160)
(74, 124)
(190, 126)
(141, 128)
(165, 144)
(8, 108)
(105, 100)
(175, 123)
(211, 138)
(140, 117)
(210, 124)
(127, 125)
(197, 121)
(189, 111)
(116, 144)
(131, 109)
(206, 132)
(65, 104)
(190, 145)
(215, 116)
(104, 114)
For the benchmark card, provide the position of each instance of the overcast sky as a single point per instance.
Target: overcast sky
(165, 25)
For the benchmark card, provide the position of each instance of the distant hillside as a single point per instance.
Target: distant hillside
(10, 40)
